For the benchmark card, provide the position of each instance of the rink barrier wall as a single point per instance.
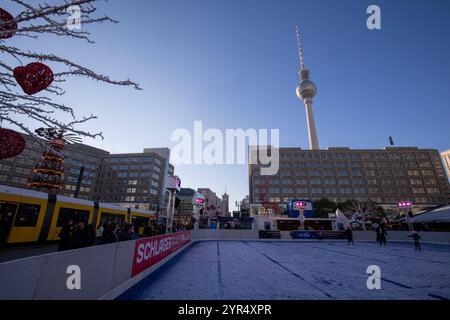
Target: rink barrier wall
(106, 270)
(252, 235)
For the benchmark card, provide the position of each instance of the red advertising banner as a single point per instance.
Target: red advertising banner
(149, 251)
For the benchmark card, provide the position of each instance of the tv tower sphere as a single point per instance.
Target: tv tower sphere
(306, 89)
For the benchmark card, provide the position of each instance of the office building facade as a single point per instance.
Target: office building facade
(133, 180)
(385, 176)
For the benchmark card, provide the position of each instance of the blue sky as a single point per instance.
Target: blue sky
(233, 64)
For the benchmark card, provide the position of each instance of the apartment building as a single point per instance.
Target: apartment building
(132, 179)
(382, 175)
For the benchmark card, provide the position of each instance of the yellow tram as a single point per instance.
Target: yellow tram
(28, 216)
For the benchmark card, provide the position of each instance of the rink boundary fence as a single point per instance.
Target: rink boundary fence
(44, 277)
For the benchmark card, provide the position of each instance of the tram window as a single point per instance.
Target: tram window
(139, 221)
(105, 218)
(110, 217)
(7, 212)
(74, 214)
(27, 215)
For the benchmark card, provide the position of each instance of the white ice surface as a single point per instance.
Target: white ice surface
(299, 270)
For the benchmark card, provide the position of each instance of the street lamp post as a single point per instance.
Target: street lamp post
(301, 206)
(406, 205)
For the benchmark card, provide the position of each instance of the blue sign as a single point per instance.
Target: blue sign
(323, 234)
(304, 235)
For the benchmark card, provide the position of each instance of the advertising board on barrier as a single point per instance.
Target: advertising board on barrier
(317, 235)
(265, 234)
(149, 251)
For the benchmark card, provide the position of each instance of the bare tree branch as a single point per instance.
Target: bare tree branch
(33, 21)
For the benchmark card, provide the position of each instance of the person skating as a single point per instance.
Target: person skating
(381, 235)
(349, 235)
(417, 239)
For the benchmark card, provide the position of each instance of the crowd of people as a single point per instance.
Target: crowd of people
(76, 235)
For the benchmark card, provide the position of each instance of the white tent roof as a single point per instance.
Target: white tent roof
(441, 214)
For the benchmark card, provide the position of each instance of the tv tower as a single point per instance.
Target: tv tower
(305, 92)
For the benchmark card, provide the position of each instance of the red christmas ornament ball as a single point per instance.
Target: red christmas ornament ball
(12, 143)
(34, 77)
(6, 16)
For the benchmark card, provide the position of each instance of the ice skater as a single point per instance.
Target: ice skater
(381, 235)
(417, 239)
(349, 235)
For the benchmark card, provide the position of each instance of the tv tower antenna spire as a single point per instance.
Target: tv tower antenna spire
(305, 92)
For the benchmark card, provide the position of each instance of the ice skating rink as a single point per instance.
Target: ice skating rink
(298, 270)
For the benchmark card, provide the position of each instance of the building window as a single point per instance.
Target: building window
(374, 190)
(415, 182)
(418, 190)
(387, 182)
(17, 180)
(314, 173)
(425, 164)
(403, 191)
(429, 182)
(344, 182)
(427, 173)
(388, 190)
(341, 164)
(421, 200)
(357, 173)
(343, 173)
(433, 190)
(331, 190)
(369, 164)
(329, 173)
(5, 167)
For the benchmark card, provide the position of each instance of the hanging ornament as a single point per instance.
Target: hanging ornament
(4, 28)
(34, 77)
(11, 143)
